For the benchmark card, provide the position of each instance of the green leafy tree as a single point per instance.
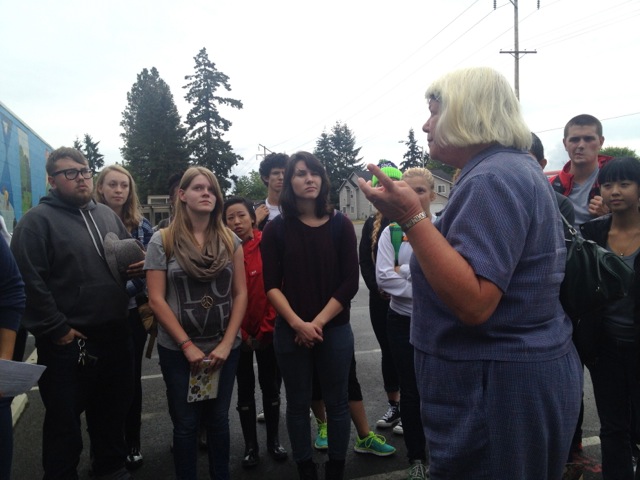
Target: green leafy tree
(432, 165)
(338, 153)
(155, 145)
(206, 125)
(251, 186)
(90, 150)
(619, 152)
(414, 156)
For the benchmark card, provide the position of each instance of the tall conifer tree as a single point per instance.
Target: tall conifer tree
(206, 125)
(154, 137)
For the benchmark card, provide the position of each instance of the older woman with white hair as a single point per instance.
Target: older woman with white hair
(500, 381)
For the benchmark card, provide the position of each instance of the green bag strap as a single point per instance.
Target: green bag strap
(396, 238)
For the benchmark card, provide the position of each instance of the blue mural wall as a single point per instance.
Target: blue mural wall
(23, 179)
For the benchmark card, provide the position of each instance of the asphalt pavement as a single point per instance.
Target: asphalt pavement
(156, 425)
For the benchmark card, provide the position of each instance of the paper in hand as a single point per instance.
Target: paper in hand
(204, 384)
(18, 377)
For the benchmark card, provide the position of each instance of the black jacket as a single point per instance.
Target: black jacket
(67, 281)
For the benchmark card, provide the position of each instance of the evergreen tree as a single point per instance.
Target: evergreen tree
(336, 150)
(90, 150)
(206, 125)
(433, 165)
(154, 137)
(414, 156)
(251, 186)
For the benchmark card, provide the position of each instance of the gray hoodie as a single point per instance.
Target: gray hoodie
(58, 248)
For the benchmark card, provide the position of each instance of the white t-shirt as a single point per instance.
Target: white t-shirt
(274, 210)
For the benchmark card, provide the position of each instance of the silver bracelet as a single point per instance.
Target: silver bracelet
(412, 221)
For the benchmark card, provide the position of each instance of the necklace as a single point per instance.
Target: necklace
(622, 254)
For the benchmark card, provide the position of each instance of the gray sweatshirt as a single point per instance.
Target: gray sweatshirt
(58, 248)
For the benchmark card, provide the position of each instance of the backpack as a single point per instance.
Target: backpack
(397, 237)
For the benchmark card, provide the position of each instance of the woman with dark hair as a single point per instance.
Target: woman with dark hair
(615, 370)
(311, 288)
(257, 337)
(197, 290)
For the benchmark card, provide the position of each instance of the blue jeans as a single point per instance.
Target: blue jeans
(103, 391)
(186, 417)
(617, 393)
(331, 359)
(398, 327)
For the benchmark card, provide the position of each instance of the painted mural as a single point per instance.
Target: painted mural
(23, 179)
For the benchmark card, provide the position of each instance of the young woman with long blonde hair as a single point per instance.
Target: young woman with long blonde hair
(197, 290)
(116, 188)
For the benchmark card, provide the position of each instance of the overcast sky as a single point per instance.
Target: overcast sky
(300, 66)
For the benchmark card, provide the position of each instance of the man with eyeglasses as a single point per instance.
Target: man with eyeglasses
(77, 311)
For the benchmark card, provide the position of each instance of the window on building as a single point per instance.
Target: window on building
(441, 189)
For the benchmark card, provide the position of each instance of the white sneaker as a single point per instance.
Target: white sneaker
(398, 429)
(260, 416)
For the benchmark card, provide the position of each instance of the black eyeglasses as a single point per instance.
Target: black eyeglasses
(72, 173)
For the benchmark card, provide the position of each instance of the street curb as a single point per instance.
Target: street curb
(20, 402)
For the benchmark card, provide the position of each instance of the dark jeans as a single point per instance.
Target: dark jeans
(378, 311)
(186, 417)
(6, 438)
(133, 422)
(398, 327)
(102, 391)
(268, 376)
(617, 393)
(332, 358)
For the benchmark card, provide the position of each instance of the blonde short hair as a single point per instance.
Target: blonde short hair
(420, 172)
(477, 105)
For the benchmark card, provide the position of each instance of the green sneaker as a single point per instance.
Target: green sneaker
(375, 444)
(418, 471)
(321, 442)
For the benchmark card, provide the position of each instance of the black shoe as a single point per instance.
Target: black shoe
(251, 458)
(277, 451)
(133, 461)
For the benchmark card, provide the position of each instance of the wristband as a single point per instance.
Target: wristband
(183, 343)
(412, 221)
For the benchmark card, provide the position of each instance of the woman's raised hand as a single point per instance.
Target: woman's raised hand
(394, 199)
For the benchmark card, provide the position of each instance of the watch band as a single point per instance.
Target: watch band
(412, 221)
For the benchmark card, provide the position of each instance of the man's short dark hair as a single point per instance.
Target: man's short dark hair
(537, 150)
(583, 120)
(174, 182)
(271, 161)
(64, 152)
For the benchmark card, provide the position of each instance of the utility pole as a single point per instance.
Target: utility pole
(516, 52)
(264, 151)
